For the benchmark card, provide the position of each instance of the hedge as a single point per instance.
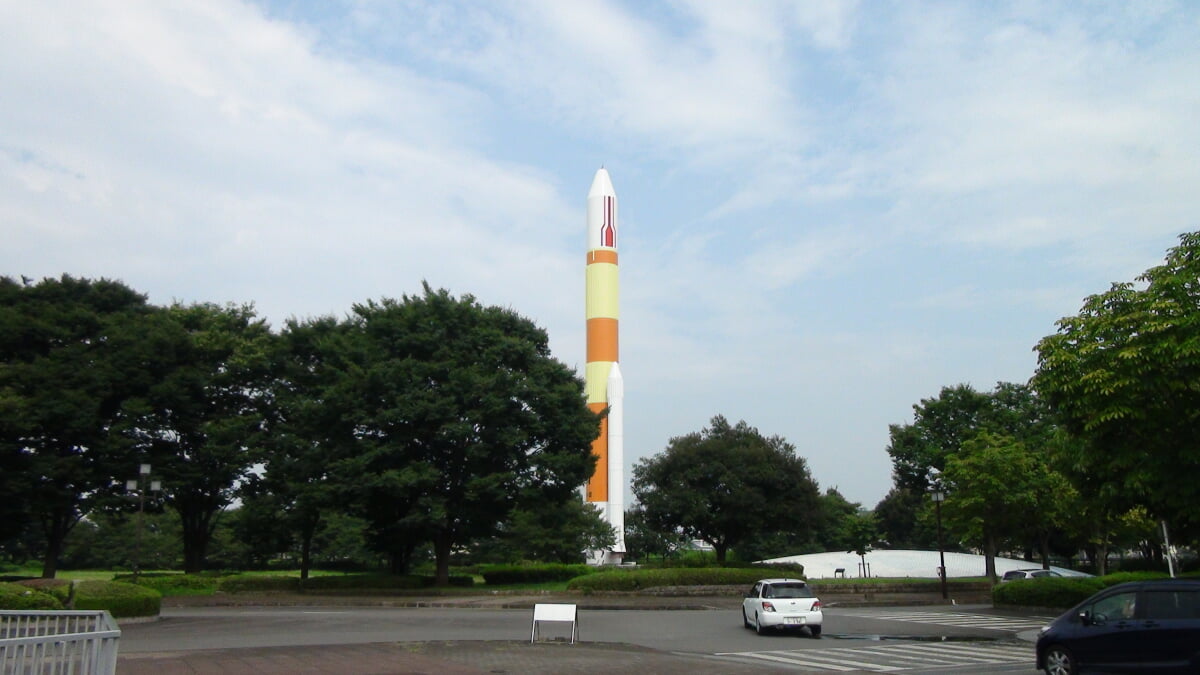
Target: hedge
(333, 583)
(173, 584)
(257, 583)
(119, 598)
(377, 582)
(59, 588)
(533, 574)
(633, 579)
(15, 596)
(1061, 592)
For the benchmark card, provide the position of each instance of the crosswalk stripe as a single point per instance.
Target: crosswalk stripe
(892, 658)
(983, 621)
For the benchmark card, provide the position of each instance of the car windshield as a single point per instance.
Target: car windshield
(793, 590)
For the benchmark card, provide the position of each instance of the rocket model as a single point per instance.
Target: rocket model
(605, 388)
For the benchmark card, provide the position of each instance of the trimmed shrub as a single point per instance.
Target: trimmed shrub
(533, 574)
(173, 584)
(633, 580)
(376, 582)
(15, 596)
(1121, 577)
(59, 588)
(258, 584)
(1050, 592)
(119, 598)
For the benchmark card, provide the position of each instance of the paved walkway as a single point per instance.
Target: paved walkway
(440, 658)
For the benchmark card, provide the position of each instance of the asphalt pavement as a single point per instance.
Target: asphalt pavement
(555, 655)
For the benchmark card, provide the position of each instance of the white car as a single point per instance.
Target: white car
(782, 604)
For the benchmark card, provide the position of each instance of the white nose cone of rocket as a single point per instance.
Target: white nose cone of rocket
(602, 212)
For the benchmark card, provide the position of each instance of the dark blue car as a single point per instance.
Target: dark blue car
(1141, 626)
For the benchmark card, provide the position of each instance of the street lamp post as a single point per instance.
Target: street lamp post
(140, 486)
(938, 497)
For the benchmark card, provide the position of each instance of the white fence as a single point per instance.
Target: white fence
(58, 642)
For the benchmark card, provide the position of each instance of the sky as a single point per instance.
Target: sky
(829, 210)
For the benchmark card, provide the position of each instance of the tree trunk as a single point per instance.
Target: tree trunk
(720, 550)
(55, 530)
(306, 536)
(989, 557)
(441, 552)
(197, 530)
(1044, 549)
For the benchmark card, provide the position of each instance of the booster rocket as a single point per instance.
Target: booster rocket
(604, 386)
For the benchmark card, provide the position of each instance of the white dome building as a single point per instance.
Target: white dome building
(916, 564)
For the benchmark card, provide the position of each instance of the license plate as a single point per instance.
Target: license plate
(795, 620)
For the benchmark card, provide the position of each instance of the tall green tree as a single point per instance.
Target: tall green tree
(200, 424)
(72, 352)
(458, 412)
(306, 435)
(1124, 376)
(726, 485)
(997, 489)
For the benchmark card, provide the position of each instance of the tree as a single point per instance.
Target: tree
(942, 425)
(305, 435)
(996, 489)
(72, 353)
(830, 527)
(860, 534)
(726, 485)
(560, 532)
(458, 411)
(644, 541)
(199, 423)
(898, 516)
(1124, 376)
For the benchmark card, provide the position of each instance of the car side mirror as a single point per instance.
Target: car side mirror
(1085, 617)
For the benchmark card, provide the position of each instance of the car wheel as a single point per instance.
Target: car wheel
(758, 627)
(745, 621)
(1059, 662)
(816, 631)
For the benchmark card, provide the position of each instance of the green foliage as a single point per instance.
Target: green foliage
(377, 582)
(59, 588)
(73, 353)
(1049, 592)
(1122, 577)
(549, 531)
(636, 579)
(726, 485)
(459, 412)
(643, 541)
(257, 584)
(942, 425)
(995, 486)
(120, 599)
(1122, 375)
(199, 424)
(496, 575)
(16, 596)
(174, 584)
(334, 583)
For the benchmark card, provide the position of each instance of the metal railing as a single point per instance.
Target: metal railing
(52, 642)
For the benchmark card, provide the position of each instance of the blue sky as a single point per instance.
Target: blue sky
(829, 210)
